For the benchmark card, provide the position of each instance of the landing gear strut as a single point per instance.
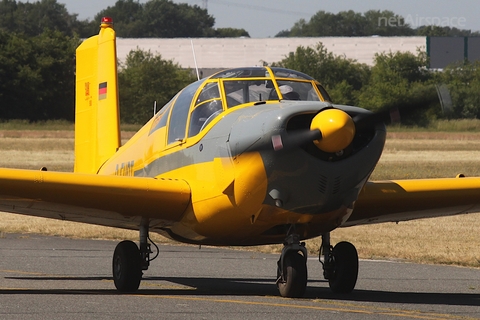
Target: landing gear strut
(292, 268)
(129, 261)
(340, 265)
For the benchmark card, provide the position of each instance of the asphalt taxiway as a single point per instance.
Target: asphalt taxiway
(45, 277)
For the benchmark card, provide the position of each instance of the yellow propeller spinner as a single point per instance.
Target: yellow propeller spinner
(337, 128)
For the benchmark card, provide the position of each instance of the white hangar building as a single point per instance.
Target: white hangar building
(213, 54)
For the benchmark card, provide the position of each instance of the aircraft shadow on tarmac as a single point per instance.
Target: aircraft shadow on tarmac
(197, 286)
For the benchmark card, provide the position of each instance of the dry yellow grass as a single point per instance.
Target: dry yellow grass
(446, 240)
(15, 223)
(449, 240)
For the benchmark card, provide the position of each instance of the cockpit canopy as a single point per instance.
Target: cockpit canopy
(202, 101)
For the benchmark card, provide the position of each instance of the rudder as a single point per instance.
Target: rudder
(97, 124)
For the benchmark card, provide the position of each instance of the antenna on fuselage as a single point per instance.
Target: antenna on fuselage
(195, 60)
(155, 107)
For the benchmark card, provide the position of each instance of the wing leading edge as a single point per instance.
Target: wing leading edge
(402, 200)
(115, 201)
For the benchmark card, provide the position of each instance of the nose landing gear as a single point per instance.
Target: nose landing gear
(292, 268)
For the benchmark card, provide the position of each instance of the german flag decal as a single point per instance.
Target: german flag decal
(102, 91)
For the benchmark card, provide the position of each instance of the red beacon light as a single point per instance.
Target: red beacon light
(107, 21)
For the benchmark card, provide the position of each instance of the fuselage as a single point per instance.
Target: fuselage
(221, 135)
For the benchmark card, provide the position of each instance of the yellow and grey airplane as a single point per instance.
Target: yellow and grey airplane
(245, 157)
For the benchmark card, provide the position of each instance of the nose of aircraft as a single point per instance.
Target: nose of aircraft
(332, 130)
(337, 129)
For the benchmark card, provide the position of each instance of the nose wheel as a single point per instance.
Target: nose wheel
(292, 268)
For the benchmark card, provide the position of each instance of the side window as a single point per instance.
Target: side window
(324, 93)
(161, 117)
(178, 119)
(207, 107)
(210, 91)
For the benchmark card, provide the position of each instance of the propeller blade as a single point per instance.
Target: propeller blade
(333, 129)
(419, 101)
(294, 139)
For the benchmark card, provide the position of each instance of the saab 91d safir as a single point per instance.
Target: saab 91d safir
(245, 157)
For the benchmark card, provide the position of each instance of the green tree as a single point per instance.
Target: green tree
(144, 79)
(32, 18)
(283, 34)
(158, 19)
(127, 16)
(229, 33)
(399, 79)
(463, 82)
(350, 24)
(37, 76)
(373, 22)
(386, 24)
(343, 78)
(438, 31)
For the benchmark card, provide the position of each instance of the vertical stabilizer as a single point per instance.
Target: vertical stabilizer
(97, 125)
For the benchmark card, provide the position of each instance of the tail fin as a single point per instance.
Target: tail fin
(97, 124)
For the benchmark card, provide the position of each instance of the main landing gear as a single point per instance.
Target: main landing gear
(340, 266)
(129, 261)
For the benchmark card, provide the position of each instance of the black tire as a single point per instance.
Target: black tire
(295, 276)
(127, 267)
(345, 270)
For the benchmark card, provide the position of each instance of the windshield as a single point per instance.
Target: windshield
(236, 87)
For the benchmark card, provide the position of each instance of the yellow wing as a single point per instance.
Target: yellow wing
(403, 200)
(115, 201)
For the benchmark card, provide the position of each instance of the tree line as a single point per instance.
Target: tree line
(372, 23)
(37, 69)
(37, 53)
(153, 19)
